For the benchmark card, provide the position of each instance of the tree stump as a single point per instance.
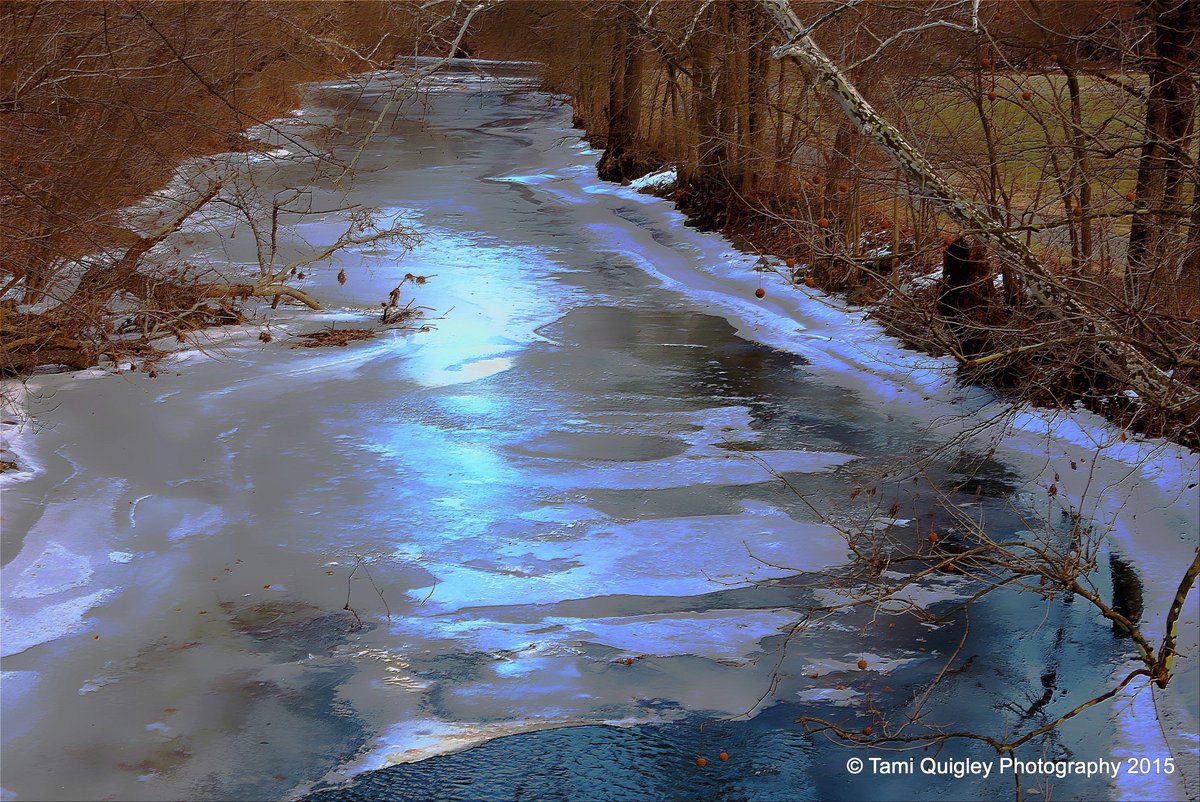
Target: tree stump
(967, 294)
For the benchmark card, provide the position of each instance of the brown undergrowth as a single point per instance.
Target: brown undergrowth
(100, 104)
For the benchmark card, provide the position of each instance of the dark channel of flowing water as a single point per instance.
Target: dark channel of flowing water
(557, 477)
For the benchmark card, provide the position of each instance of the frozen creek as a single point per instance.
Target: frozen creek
(556, 476)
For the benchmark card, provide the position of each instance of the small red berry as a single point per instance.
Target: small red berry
(760, 293)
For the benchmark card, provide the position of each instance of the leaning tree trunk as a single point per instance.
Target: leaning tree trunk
(1120, 357)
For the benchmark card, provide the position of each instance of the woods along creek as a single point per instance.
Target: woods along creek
(271, 569)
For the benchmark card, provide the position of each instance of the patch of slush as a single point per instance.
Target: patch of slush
(52, 563)
(206, 519)
(16, 684)
(1139, 732)
(564, 514)
(16, 433)
(418, 739)
(838, 697)
(55, 570)
(465, 372)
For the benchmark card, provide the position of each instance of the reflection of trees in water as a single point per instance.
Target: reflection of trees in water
(1127, 593)
(681, 356)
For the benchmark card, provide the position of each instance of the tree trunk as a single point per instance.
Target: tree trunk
(707, 186)
(1169, 130)
(757, 65)
(1080, 178)
(739, 69)
(621, 159)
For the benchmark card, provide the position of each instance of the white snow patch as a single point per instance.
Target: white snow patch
(654, 181)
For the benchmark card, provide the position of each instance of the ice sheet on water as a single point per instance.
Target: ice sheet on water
(696, 469)
(715, 634)
(55, 570)
(26, 625)
(657, 557)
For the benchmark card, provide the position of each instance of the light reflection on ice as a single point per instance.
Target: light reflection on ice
(714, 634)
(665, 556)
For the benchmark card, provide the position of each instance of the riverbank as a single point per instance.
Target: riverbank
(770, 160)
(105, 108)
(904, 294)
(542, 487)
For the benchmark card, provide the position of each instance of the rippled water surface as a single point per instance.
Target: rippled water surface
(267, 570)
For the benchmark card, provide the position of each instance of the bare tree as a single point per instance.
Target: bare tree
(101, 102)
